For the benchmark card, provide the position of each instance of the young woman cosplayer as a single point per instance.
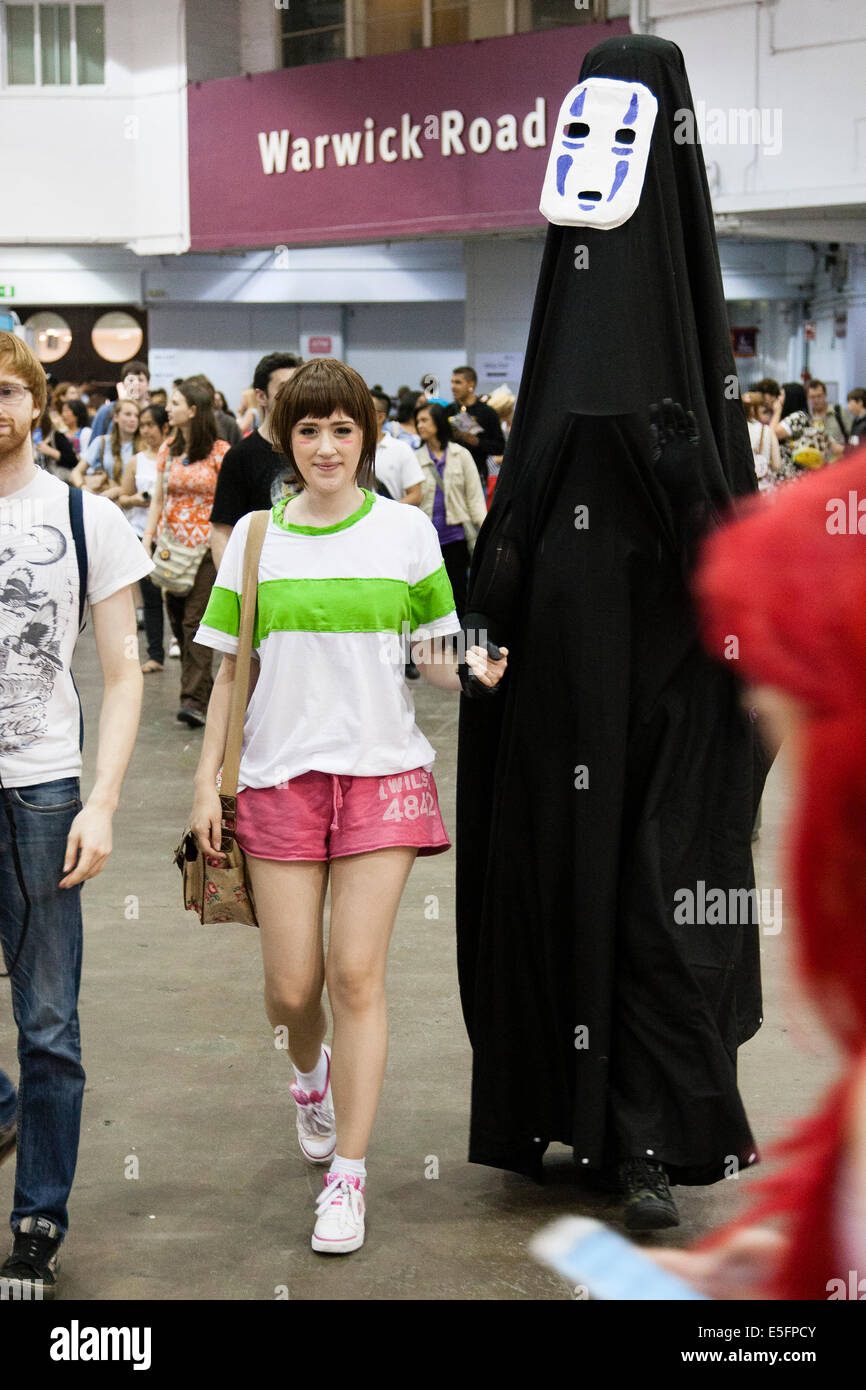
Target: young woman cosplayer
(335, 774)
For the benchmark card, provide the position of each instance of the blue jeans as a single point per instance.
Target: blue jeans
(44, 997)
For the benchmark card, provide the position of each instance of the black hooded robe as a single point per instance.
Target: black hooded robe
(617, 767)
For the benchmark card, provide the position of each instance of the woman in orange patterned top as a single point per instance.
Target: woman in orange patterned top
(187, 469)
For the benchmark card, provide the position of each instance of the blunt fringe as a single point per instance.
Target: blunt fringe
(317, 389)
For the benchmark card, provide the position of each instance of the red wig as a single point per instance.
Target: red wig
(783, 592)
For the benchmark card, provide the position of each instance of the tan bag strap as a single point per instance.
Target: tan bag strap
(240, 690)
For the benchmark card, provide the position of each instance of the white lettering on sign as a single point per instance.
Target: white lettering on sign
(346, 148)
(452, 127)
(274, 149)
(343, 149)
(409, 147)
(385, 151)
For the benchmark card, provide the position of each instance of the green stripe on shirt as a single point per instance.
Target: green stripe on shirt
(223, 611)
(431, 598)
(334, 605)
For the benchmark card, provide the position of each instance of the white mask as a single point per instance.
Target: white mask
(600, 146)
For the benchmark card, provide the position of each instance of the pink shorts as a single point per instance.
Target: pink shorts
(321, 816)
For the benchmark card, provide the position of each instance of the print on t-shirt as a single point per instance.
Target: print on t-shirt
(37, 603)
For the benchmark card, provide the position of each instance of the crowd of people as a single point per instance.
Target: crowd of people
(184, 469)
(137, 510)
(794, 429)
(167, 496)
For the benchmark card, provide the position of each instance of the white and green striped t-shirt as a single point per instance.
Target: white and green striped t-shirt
(333, 604)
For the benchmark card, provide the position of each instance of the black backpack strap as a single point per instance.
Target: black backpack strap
(76, 522)
(837, 411)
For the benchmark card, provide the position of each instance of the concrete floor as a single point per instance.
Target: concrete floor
(183, 1077)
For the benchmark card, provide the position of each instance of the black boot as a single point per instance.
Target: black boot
(649, 1205)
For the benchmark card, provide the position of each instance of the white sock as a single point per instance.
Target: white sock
(314, 1080)
(349, 1167)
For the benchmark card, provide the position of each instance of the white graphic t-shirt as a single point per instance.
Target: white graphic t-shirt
(334, 604)
(39, 709)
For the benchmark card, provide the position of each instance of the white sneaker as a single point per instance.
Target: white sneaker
(317, 1128)
(339, 1215)
(173, 648)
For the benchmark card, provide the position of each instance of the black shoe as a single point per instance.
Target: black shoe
(8, 1139)
(412, 672)
(649, 1205)
(193, 717)
(31, 1270)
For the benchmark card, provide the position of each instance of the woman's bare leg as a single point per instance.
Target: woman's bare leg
(290, 901)
(365, 894)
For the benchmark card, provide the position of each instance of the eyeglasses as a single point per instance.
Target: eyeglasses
(11, 394)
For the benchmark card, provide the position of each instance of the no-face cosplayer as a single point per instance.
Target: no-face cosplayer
(610, 789)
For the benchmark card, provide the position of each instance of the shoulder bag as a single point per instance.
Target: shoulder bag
(176, 565)
(221, 892)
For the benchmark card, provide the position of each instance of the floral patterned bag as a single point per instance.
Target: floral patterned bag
(220, 892)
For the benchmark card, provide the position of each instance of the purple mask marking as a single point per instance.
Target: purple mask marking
(574, 144)
(621, 149)
(563, 164)
(631, 113)
(577, 104)
(621, 171)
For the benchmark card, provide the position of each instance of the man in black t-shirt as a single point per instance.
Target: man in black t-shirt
(489, 439)
(253, 475)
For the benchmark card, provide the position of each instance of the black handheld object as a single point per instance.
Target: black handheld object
(471, 685)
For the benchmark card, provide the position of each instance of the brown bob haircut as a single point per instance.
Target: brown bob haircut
(316, 390)
(19, 360)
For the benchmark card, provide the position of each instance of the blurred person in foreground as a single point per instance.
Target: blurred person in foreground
(790, 582)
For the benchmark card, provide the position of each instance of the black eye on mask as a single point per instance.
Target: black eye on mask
(625, 136)
(576, 130)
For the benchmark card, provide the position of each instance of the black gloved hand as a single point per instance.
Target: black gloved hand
(674, 441)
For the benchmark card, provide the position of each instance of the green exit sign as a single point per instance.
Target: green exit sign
(7, 291)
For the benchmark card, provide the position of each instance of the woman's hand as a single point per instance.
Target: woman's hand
(205, 822)
(484, 668)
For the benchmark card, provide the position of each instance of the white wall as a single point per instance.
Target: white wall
(501, 277)
(225, 341)
(397, 344)
(387, 343)
(104, 164)
(802, 60)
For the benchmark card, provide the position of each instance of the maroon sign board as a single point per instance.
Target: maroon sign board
(434, 142)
